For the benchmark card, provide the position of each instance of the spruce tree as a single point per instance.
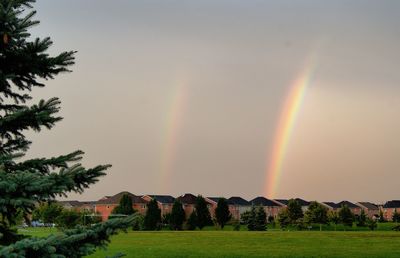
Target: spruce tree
(192, 221)
(362, 219)
(346, 217)
(177, 216)
(294, 211)
(222, 213)
(251, 220)
(24, 66)
(152, 218)
(396, 216)
(124, 207)
(260, 219)
(202, 213)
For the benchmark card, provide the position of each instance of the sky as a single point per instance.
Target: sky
(190, 96)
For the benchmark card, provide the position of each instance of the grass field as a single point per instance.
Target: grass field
(250, 244)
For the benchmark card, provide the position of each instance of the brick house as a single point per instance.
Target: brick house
(389, 207)
(105, 205)
(370, 209)
(237, 206)
(303, 203)
(272, 208)
(331, 206)
(214, 202)
(165, 202)
(188, 202)
(354, 208)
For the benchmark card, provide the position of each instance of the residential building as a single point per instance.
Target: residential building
(303, 203)
(370, 209)
(354, 208)
(271, 207)
(105, 205)
(164, 202)
(238, 206)
(389, 207)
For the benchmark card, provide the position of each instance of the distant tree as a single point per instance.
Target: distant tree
(138, 222)
(371, 224)
(125, 206)
(294, 211)
(316, 213)
(48, 212)
(362, 219)
(152, 218)
(69, 219)
(89, 218)
(202, 213)
(333, 218)
(260, 219)
(396, 216)
(192, 221)
(222, 213)
(251, 220)
(381, 216)
(177, 216)
(244, 217)
(283, 218)
(346, 217)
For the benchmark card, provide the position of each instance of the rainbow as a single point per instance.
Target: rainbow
(286, 124)
(171, 131)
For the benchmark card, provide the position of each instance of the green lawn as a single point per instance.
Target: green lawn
(251, 244)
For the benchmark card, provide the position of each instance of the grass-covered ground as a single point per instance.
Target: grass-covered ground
(212, 243)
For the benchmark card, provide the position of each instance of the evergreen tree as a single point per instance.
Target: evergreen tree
(283, 218)
(396, 216)
(125, 206)
(24, 65)
(346, 217)
(371, 224)
(152, 218)
(362, 219)
(192, 221)
(316, 213)
(260, 219)
(251, 220)
(69, 219)
(222, 213)
(294, 211)
(177, 216)
(202, 213)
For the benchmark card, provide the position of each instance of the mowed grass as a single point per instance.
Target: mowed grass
(254, 244)
(249, 244)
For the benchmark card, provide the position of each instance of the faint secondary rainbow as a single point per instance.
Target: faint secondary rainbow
(171, 131)
(286, 124)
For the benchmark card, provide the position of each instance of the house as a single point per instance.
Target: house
(214, 203)
(105, 205)
(370, 209)
(188, 201)
(284, 202)
(354, 208)
(165, 202)
(389, 207)
(238, 206)
(331, 206)
(272, 208)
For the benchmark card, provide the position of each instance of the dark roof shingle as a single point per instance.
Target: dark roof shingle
(264, 202)
(236, 200)
(392, 204)
(116, 198)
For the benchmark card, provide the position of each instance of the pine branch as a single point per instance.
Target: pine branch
(72, 243)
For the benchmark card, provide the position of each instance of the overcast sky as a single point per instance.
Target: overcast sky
(185, 96)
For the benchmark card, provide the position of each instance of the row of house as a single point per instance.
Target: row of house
(237, 205)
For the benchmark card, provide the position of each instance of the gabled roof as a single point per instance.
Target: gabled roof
(392, 204)
(369, 206)
(300, 201)
(116, 198)
(216, 199)
(72, 203)
(264, 202)
(348, 204)
(187, 198)
(236, 200)
(163, 198)
(332, 205)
